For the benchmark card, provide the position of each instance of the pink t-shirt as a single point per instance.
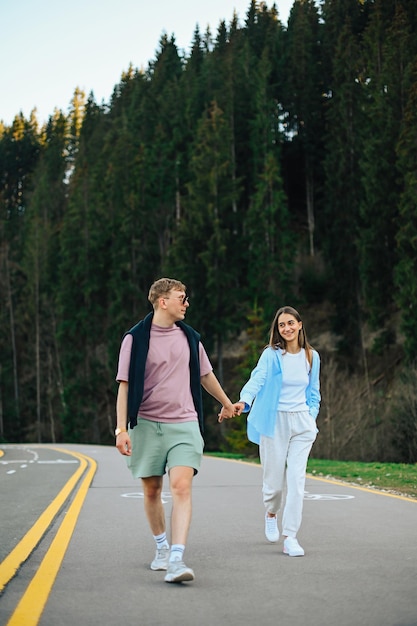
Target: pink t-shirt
(167, 393)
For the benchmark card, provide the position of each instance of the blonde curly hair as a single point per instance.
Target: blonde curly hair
(162, 287)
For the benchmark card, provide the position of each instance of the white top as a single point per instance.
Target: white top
(295, 370)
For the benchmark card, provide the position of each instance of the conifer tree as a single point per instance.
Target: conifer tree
(203, 248)
(342, 185)
(134, 250)
(407, 233)
(270, 250)
(303, 103)
(19, 154)
(385, 83)
(163, 110)
(83, 275)
(45, 208)
(193, 84)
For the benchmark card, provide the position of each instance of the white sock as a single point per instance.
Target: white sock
(177, 552)
(161, 541)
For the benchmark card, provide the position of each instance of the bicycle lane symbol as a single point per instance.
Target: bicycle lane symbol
(327, 496)
(139, 494)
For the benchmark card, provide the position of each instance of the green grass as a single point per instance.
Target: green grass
(398, 478)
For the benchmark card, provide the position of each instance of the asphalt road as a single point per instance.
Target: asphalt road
(91, 563)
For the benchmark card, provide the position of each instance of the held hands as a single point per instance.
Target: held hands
(239, 406)
(229, 411)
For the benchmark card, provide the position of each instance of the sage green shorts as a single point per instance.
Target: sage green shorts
(157, 447)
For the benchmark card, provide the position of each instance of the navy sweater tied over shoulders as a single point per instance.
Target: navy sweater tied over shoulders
(140, 346)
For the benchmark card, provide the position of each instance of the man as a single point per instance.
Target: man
(162, 366)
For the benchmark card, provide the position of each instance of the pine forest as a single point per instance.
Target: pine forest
(268, 165)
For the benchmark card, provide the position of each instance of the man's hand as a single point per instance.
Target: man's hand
(123, 444)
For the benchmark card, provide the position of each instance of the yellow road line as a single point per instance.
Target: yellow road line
(32, 603)
(21, 552)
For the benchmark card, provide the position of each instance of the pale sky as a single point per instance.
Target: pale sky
(48, 48)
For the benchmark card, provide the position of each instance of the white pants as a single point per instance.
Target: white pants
(284, 460)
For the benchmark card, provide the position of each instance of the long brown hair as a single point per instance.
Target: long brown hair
(277, 341)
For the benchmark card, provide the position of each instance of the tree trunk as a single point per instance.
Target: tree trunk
(50, 395)
(58, 369)
(220, 374)
(1, 407)
(310, 210)
(37, 350)
(13, 338)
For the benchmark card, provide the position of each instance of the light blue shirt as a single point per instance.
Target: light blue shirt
(262, 392)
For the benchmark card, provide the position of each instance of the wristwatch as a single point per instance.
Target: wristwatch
(119, 430)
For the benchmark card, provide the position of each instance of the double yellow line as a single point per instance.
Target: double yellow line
(33, 601)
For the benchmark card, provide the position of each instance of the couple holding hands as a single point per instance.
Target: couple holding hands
(162, 367)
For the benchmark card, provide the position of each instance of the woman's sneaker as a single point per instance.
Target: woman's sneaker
(178, 572)
(292, 547)
(271, 528)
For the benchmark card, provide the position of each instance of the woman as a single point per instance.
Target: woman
(283, 396)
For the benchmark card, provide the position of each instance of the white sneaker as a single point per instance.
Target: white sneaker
(178, 572)
(292, 547)
(271, 528)
(160, 561)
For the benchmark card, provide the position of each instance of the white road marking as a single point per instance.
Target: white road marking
(327, 496)
(140, 495)
(56, 462)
